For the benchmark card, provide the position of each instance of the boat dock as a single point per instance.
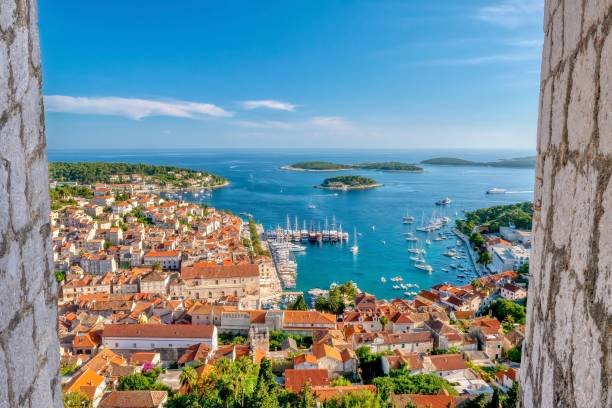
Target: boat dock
(328, 233)
(284, 262)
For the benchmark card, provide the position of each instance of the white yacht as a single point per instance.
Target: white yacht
(355, 247)
(423, 266)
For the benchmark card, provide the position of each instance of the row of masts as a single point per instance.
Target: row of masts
(313, 233)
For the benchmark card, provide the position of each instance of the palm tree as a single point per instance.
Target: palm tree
(189, 376)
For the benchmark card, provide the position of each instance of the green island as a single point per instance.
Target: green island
(329, 166)
(348, 183)
(165, 177)
(519, 215)
(525, 162)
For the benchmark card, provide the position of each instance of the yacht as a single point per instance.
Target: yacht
(410, 237)
(444, 201)
(423, 266)
(355, 247)
(296, 248)
(496, 191)
(417, 258)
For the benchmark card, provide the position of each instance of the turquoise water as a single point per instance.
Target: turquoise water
(260, 187)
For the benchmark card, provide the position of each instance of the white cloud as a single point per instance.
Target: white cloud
(512, 13)
(489, 59)
(329, 123)
(132, 108)
(269, 104)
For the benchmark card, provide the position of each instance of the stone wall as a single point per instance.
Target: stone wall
(29, 348)
(567, 358)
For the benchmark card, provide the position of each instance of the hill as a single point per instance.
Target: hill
(526, 162)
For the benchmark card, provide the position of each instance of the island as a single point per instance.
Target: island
(330, 166)
(523, 162)
(140, 176)
(348, 183)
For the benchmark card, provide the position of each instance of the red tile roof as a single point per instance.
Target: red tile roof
(158, 331)
(207, 271)
(295, 379)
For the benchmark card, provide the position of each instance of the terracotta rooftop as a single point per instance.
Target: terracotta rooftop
(206, 271)
(295, 379)
(203, 331)
(134, 399)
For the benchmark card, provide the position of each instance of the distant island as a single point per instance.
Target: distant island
(329, 166)
(164, 177)
(526, 162)
(348, 183)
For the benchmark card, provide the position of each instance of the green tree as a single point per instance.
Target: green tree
(502, 309)
(189, 376)
(363, 399)
(306, 398)
(298, 304)
(76, 400)
(484, 258)
(495, 399)
(477, 240)
(340, 381)
(514, 354)
(478, 402)
(511, 400)
(383, 321)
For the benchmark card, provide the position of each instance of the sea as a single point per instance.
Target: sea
(259, 186)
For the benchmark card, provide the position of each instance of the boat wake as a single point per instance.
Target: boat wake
(520, 192)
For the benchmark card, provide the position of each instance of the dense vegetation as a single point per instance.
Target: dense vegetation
(147, 380)
(298, 304)
(94, 172)
(349, 182)
(507, 311)
(520, 215)
(327, 166)
(62, 196)
(370, 363)
(528, 161)
(255, 241)
(278, 336)
(400, 381)
(337, 299)
(319, 165)
(242, 384)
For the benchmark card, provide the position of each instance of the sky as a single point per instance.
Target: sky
(291, 74)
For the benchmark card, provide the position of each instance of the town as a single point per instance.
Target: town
(165, 302)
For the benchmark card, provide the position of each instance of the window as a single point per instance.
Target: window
(152, 345)
(117, 345)
(170, 345)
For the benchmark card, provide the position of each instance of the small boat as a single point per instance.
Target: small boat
(373, 227)
(496, 191)
(383, 242)
(383, 279)
(444, 201)
(445, 269)
(428, 241)
(396, 287)
(355, 247)
(417, 258)
(312, 206)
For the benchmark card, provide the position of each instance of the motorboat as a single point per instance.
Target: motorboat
(496, 191)
(444, 201)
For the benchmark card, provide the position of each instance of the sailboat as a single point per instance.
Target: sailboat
(408, 219)
(355, 247)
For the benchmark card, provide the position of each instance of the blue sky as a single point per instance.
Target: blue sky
(371, 74)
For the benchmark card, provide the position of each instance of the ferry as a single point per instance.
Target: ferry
(496, 191)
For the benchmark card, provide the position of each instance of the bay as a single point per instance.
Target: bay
(260, 187)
